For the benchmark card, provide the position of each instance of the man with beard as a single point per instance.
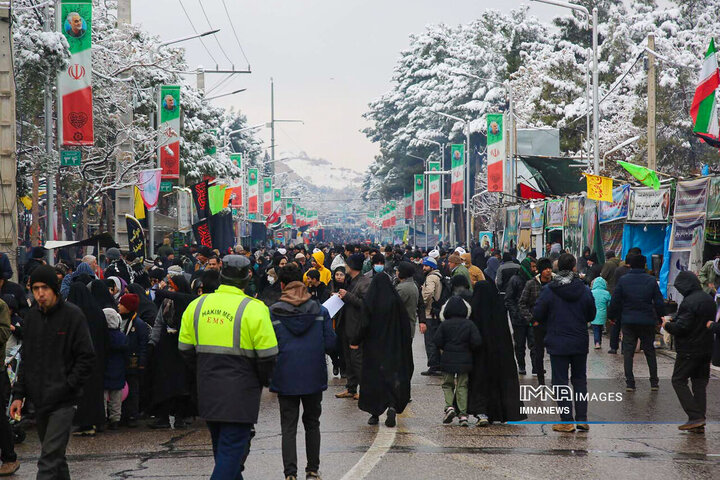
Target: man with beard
(387, 352)
(522, 330)
(351, 321)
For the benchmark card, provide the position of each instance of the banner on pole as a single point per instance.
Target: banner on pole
(647, 205)
(408, 206)
(169, 131)
(184, 211)
(510, 234)
(136, 237)
(201, 230)
(538, 219)
(75, 103)
(713, 207)
(618, 208)
(419, 197)
(457, 184)
(289, 217)
(236, 159)
(267, 196)
(495, 152)
(277, 199)
(691, 198)
(486, 240)
(434, 187)
(599, 188)
(149, 186)
(253, 190)
(200, 198)
(555, 214)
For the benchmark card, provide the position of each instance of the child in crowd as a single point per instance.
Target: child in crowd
(602, 300)
(456, 337)
(114, 380)
(137, 334)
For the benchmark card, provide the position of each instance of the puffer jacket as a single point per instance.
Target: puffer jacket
(513, 292)
(304, 333)
(602, 300)
(690, 325)
(565, 307)
(637, 299)
(457, 337)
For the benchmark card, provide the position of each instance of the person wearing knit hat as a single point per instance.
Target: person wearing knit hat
(355, 261)
(429, 262)
(529, 296)
(112, 254)
(62, 369)
(128, 303)
(431, 292)
(522, 329)
(137, 333)
(457, 337)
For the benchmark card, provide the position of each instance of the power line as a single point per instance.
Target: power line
(195, 30)
(211, 28)
(232, 26)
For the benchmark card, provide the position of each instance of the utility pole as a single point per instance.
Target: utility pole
(201, 80)
(50, 178)
(272, 124)
(124, 198)
(651, 159)
(8, 161)
(596, 96)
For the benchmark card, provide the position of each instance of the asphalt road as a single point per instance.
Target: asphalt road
(421, 447)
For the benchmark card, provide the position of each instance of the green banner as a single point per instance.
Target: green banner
(236, 158)
(76, 17)
(216, 198)
(170, 98)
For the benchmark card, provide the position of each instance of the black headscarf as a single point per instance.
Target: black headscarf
(494, 389)
(387, 349)
(147, 310)
(101, 294)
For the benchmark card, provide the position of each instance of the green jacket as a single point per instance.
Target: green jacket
(707, 276)
(462, 270)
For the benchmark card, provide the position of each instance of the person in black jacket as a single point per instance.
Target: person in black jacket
(57, 360)
(638, 301)
(522, 329)
(457, 338)
(137, 333)
(693, 344)
(317, 289)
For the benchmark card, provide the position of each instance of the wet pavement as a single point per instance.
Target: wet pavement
(421, 447)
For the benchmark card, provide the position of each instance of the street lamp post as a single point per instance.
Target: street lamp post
(467, 172)
(595, 88)
(442, 184)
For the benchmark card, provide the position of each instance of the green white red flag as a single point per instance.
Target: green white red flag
(703, 110)
(169, 131)
(252, 190)
(495, 152)
(267, 196)
(434, 187)
(75, 104)
(457, 174)
(419, 196)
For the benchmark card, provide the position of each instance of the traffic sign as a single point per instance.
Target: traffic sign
(70, 158)
(166, 187)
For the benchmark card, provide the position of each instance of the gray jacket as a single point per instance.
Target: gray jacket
(408, 292)
(351, 315)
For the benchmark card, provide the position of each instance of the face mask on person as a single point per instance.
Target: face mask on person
(271, 280)
(378, 268)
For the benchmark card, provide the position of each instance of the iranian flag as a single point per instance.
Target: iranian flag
(457, 184)
(289, 217)
(434, 185)
(408, 206)
(267, 196)
(703, 111)
(75, 105)
(253, 190)
(277, 199)
(419, 197)
(495, 152)
(393, 214)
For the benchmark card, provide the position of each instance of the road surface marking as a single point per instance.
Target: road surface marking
(384, 439)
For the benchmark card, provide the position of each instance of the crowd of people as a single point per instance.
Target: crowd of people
(114, 340)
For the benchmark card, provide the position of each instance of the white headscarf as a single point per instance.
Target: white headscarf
(112, 318)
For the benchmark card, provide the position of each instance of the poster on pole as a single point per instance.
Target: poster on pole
(434, 187)
(149, 186)
(510, 235)
(713, 206)
(136, 237)
(267, 196)
(486, 240)
(408, 206)
(618, 208)
(495, 152)
(74, 83)
(184, 211)
(647, 205)
(572, 231)
(200, 197)
(590, 225)
(691, 198)
(277, 199)
(457, 182)
(612, 237)
(419, 197)
(555, 214)
(253, 190)
(169, 131)
(538, 219)
(687, 233)
(201, 230)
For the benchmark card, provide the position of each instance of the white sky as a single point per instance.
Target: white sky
(329, 59)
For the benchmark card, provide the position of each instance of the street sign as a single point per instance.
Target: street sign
(166, 187)
(70, 158)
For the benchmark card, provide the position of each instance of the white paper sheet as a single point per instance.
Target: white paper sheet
(333, 304)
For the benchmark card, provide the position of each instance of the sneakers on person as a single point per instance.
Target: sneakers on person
(597, 346)
(654, 387)
(312, 475)
(583, 427)
(463, 420)
(692, 424)
(85, 432)
(482, 420)
(522, 371)
(431, 372)
(449, 415)
(9, 468)
(345, 394)
(630, 388)
(564, 427)
(373, 420)
(613, 351)
(391, 420)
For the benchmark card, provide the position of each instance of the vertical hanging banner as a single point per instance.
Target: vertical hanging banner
(407, 203)
(457, 182)
(252, 190)
(169, 131)
(75, 104)
(200, 197)
(136, 237)
(267, 196)
(184, 211)
(289, 217)
(434, 187)
(419, 197)
(495, 152)
(277, 199)
(149, 186)
(201, 230)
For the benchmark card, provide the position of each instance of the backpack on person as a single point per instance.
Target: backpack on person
(445, 294)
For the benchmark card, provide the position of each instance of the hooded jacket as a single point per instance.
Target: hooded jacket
(690, 325)
(82, 269)
(304, 332)
(513, 292)
(565, 307)
(602, 300)
(325, 274)
(457, 336)
(637, 299)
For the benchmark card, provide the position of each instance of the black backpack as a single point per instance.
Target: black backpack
(445, 294)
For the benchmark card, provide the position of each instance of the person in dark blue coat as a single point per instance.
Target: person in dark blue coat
(565, 307)
(305, 334)
(114, 380)
(138, 335)
(638, 301)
